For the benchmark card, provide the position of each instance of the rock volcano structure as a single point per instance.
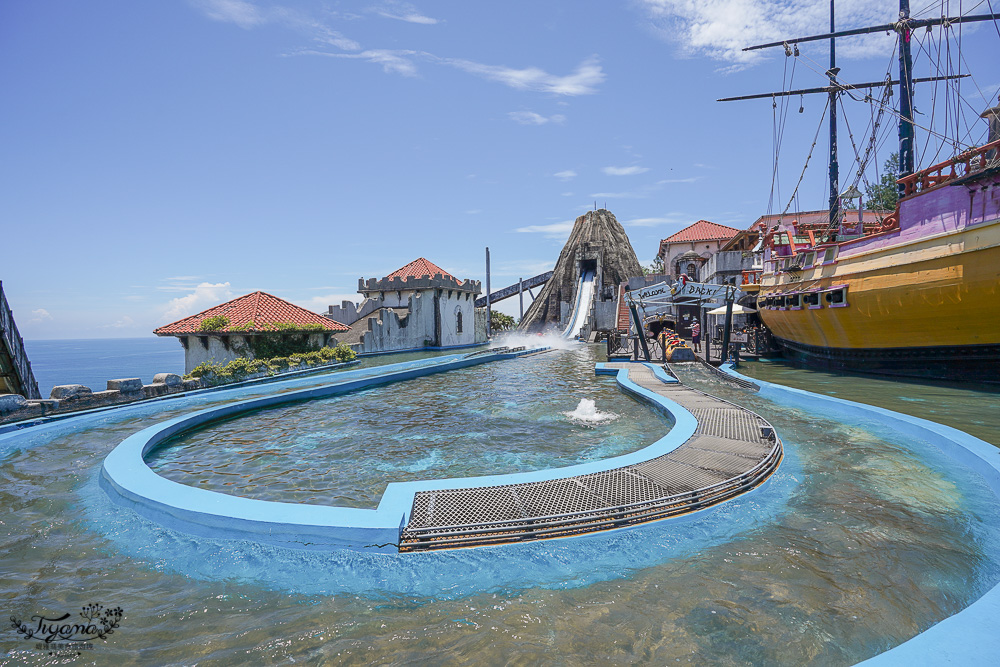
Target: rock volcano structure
(599, 244)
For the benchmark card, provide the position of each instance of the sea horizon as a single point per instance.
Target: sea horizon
(93, 361)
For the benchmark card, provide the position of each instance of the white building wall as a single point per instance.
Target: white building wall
(417, 327)
(196, 353)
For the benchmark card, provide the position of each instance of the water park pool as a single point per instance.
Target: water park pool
(862, 539)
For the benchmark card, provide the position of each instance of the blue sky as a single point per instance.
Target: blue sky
(158, 158)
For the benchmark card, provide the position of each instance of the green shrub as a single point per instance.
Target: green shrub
(214, 373)
(343, 353)
(217, 323)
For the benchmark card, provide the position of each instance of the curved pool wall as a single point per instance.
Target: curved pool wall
(130, 482)
(969, 637)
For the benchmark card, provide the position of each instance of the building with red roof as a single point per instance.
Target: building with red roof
(417, 306)
(230, 330)
(687, 250)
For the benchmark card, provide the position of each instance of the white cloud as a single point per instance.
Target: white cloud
(248, 15)
(203, 297)
(555, 230)
(653, 222)
(620, 195)
(404, 11)
(564, 176)
(720, 29)
(566, 194)
(624, 171)
(398, 62)
(40, 316)
(124, 323)
(691, 179)
(243, 14)
(583, 81)
(532, 118)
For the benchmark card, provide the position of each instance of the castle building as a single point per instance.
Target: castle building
(419, 306)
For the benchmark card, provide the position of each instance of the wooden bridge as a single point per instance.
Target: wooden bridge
(515, 289)
(15, 369)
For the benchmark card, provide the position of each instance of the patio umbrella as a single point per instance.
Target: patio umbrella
(737, 310)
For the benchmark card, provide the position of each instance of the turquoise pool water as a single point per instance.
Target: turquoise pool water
(861, 540)
(476, 421)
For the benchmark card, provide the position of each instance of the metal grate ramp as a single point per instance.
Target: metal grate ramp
(725, 457)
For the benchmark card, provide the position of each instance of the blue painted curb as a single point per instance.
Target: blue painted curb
(969, 637)
(127, 479)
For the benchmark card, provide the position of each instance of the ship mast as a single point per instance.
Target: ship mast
(834, 165)
(906, 133)
(904, 26)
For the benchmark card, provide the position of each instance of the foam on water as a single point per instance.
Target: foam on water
(587, 413)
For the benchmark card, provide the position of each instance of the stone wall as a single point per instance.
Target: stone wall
(76, 397)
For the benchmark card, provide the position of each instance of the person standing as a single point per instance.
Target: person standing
(696, 336)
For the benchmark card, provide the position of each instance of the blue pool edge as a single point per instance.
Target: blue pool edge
(969, 637)
(129, 481)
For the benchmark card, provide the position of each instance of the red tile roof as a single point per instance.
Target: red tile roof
(419, 268)
(258, 309)
(703, 230)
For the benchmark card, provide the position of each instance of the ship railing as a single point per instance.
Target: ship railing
(962, 164)
(751, 277)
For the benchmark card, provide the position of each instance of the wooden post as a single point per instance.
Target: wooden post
(729, 324)
(520, 294)
(488, 329)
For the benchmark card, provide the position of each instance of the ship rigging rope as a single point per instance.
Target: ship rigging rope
(862, 161)
(778, 132)
(809, 157)
(844, 90)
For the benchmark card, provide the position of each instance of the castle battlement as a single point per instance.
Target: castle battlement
(438, 281)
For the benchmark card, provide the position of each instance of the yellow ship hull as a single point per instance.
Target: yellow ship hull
(916, 308)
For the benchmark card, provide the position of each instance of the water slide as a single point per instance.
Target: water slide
(584, 299)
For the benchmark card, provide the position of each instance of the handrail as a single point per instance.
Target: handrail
(14, 345)
(933, 176)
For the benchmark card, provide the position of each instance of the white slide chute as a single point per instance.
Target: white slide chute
(584, 299)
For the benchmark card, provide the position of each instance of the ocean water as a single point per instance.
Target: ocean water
(94, 361)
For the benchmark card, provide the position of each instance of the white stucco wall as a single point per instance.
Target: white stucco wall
(417, 328)
(216, 351)
(196, 353)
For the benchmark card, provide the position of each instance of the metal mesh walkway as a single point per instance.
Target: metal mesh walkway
(731, 451)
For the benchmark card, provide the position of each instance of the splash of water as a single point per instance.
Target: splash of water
(517, 339)
(587, 413)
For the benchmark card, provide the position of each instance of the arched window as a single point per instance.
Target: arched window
(692, 271)
(459, 327)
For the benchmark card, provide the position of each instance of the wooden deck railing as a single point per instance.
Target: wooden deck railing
(971, 160)
(12, 346)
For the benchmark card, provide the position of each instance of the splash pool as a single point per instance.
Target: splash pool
(861, 540)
